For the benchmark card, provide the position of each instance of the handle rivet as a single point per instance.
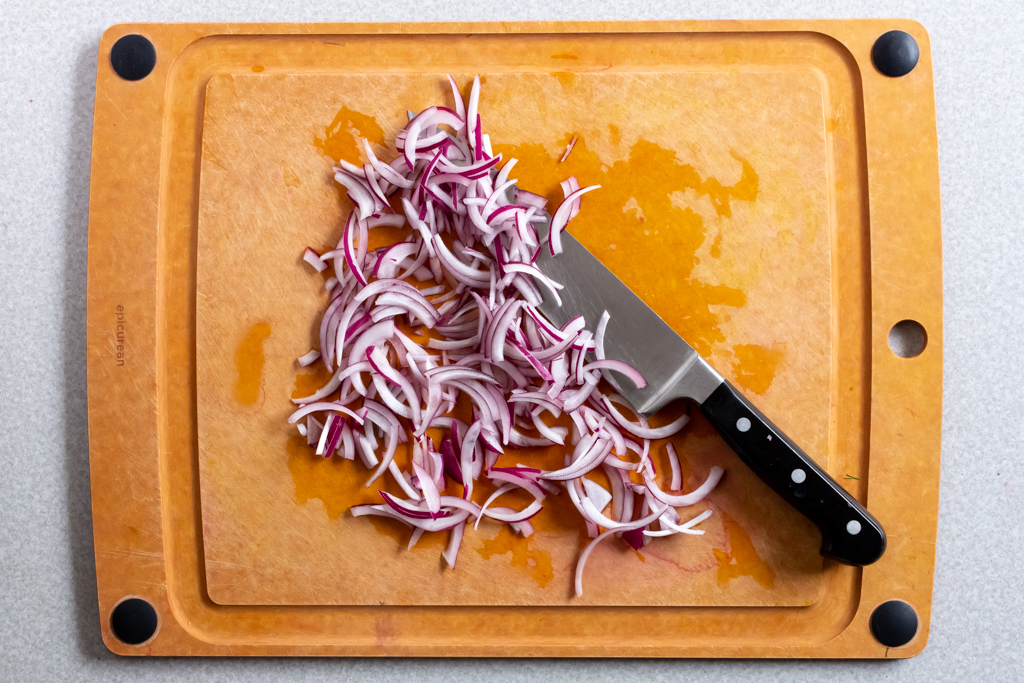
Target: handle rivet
(853, 527)
(798, 476)
(743, 424)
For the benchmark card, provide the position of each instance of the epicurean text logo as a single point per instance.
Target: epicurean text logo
(119, 335)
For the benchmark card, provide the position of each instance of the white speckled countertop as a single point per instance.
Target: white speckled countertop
(48, 614)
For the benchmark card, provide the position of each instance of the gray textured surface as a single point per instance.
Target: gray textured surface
(48, 614)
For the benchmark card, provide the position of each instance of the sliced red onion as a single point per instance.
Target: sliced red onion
(501, 490)
(358, 192)
(309, 358)
(411, 138)
(324, 407)
(321, 445)
(690, 498)
(538, 398)
(429, 488)
(468, 456)
(450, 459)
(561, 218)
(352, 258)
(634, 537)
(514, 479)
(460, 107)
(403, 481)
(333, 317)
(314, 429)
(517, 438)
(570, 185)
(677, 472)
(453, 373)
(598, 495)
(644, 432)
(506, 514)
(462, 272)
(472, 118)
(365, 450)
(639, 524)
(490, 440)
(673, 528)
(392, 258)
(333, 435)
(347, 443)
(587, 508)
(619, 367)
(524, 528)
(451, 553)
(313, 259)
(440, 524)
(553, 434)
(474, 236)
(568, 148)
(375, 189)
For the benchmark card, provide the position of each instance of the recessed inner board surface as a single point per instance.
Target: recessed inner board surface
(714, 208)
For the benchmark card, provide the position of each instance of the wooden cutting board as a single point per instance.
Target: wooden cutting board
(760, 190)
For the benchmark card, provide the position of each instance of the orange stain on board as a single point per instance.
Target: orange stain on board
(614, 134)
(716, 245)
(291, 178)
(257, 69)
(755, 366)
(564, 55)
(329, 480)
(341, 137)
(528, 559)
(741, 559)
(745, 189)
(565, 78)
(624, 241)
(308, 382)
(249, 361)
(339, 484)
(384, 628)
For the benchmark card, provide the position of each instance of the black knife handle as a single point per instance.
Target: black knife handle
(848, 533)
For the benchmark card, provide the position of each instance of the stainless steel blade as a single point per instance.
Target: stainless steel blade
(635, 334)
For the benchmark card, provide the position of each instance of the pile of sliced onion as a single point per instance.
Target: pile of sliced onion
(477, 234)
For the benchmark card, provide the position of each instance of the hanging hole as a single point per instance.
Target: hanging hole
(907, 338)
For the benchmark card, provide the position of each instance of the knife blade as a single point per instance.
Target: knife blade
(637, 335)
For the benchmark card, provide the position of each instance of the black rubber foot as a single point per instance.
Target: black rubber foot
(894, 623)
(133, 621)
(895, 53)
(133, 57)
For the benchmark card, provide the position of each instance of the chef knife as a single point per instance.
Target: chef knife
(673, 370)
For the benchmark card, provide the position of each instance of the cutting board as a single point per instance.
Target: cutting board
(760, 191)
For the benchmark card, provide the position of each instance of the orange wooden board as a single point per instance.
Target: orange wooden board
(741, 198)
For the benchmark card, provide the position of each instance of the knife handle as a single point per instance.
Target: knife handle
(848, 533)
